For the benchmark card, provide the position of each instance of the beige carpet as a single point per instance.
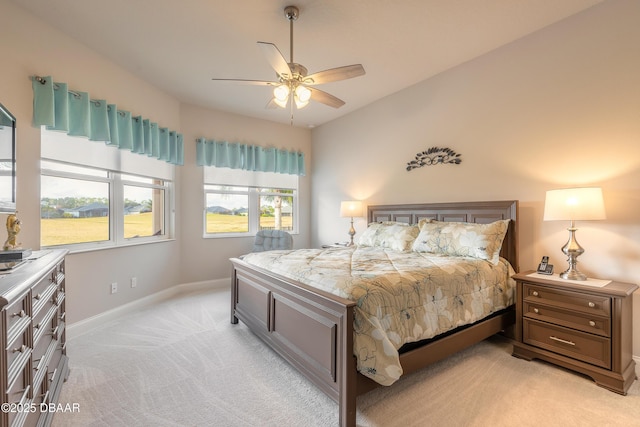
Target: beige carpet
(181, 363)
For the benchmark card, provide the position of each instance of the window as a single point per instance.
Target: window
(240, 210)
(143, 206)
(85, 207)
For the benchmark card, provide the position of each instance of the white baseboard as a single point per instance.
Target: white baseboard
(83, 326)
(637, 359)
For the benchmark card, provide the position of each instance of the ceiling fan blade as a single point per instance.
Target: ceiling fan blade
(275, 59)
(249, 82)
(326, 98)
(335, 74)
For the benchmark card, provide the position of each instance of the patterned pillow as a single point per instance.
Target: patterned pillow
(482, 241)
(397, 236)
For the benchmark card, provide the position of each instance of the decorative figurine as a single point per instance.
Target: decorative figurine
(13, 228)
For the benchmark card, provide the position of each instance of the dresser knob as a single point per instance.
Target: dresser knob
(591, 304)
(534, 293)
(592, 323)
(19, 314)
(536, 311)
(20, 349)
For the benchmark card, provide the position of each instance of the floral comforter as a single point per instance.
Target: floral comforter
(401, 297)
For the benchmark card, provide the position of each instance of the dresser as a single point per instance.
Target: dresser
(33, 360)
(585, 328)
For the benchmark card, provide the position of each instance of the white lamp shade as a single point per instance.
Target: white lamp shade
(574, 204)
(351, 208)
(303, 93)
(281, 93)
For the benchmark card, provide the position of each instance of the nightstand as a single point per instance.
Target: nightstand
(585, 327)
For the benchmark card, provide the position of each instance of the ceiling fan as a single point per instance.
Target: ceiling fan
(292, 78)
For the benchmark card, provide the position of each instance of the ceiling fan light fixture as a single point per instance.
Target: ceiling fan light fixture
(300, 104)
(303, 93)
(281, 93)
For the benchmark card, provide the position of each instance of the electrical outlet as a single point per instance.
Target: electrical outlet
(114, 287)
(134, 282)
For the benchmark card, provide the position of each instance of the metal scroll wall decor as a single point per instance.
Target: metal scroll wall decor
(434, 156)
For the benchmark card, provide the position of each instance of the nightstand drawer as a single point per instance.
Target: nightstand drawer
(584, 322)
(575, 344)
(575, 301)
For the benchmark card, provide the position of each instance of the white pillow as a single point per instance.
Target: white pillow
(482, 241)
(397, 236)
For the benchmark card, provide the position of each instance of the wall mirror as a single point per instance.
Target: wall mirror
(7, 161)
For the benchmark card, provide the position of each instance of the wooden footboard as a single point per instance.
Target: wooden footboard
(311, 329)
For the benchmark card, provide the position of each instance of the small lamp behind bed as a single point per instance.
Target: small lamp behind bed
(351, 208)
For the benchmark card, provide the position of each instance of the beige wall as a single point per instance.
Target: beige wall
(31, 47)
(556, 109)
(204, 259)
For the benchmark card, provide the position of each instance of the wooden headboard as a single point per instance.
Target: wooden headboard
(477, 212)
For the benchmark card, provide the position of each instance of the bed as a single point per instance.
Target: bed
(313, 327)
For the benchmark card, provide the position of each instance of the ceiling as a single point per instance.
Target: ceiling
(179, 46)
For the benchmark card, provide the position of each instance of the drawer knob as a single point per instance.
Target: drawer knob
(591, 304)
(536, 311)
(37, 297)
(20, 349)
(592, 323)
(21, 313)
(534, 293)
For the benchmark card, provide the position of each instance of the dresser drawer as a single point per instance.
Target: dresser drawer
(569, 300)
(592, 349)
(40, 288)
(581, 321)
(44, 301)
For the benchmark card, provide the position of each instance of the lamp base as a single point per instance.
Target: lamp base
(572, 250)
(573, 275)
(352, 232)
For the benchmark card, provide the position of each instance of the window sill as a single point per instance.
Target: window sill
(78, 250)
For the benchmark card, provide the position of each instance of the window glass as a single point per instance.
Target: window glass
(143, 211)
(73, 210)
(276, 209)
(227, 212)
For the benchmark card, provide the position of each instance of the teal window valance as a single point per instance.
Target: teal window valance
(61, 109)
(232, 155)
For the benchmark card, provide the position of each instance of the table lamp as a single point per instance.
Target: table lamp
(573, 204)
(351, 208)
